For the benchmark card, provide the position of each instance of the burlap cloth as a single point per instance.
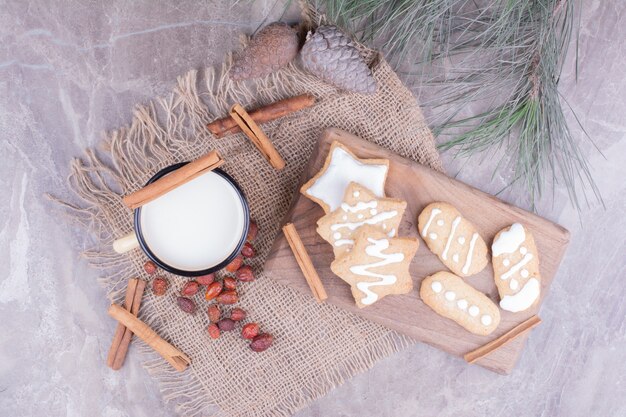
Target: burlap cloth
(316, 346)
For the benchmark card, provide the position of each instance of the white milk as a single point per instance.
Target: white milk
(196, 225)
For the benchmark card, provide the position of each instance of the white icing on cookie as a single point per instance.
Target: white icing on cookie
(343, 169)
(342, 242)
(440, 222)
(470, 254)
(462, 304)
(509, 240)
(337, 235)
(359, 206)
(344, 218)
(392, 233)
(433, 236)
(514, 284)
(385, 215)
(376, 250)
(356, 194)
(436, 286)
(461, 240)
(455, 224)
(524, 273)
(373, 212)
(360, 216)
(474, 311)
(450, 295)
(455, 258)
(506, 262)
(433, 214)
(527, 258)
(523, 299)
(486, 320)
(523, 250)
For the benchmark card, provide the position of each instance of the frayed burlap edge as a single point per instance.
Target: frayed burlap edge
(327, 345)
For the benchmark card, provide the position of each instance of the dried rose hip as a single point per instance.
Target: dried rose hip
(228, 297)
(214, 313)
(159, 286)
(190, 289)
(214, 331)
(245, 274)
(230, 283)
(206, 279)
(226, 325)
(235, 264)
(237, 314)
(213, 290)
(252, 231)
(261, 342)
(248, 250)
(186, 304)
(149, 267)
(250, 331)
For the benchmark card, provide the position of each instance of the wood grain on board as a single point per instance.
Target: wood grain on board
(407, 314)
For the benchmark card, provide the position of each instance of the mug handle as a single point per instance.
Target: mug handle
(126, 243)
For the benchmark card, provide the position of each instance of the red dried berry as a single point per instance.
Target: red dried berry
(245, 274)
(261, 342)
(186, 304)
(237, 314)
(214, 313)
(190, 289)
(250, 331)
(149, 267)
(213, 290)
(248, 250)
(214, 331)
(253, 229)
(226, 325)
(228, 297)
(234, 264)
(159, 286)
(206, 279)
(230, 283)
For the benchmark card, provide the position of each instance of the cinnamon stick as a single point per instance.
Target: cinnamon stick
(176, 178)
(506, 338)
(273, 111)
(128, 334)
(171, 354)
(120, 329)
(304, 261)
(257, 136)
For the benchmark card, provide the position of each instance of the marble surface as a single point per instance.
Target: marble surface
(71, 69)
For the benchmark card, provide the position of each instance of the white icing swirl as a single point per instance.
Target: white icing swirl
(509, 240)
(523, 299)
(376, 250)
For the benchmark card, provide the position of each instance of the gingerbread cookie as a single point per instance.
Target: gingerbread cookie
(328, 186)
(449, 296)
(377, 265)
(516, 268)
(452, 238)
(359, 207)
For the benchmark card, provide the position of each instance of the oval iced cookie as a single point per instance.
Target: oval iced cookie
(516, 268)
(449, 296)
(453, 239)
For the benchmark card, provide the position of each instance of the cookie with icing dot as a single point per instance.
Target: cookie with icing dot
(377, 265)
(360, 207)
(342, 167)
(451, 297)
(453, 239)
(516, 268)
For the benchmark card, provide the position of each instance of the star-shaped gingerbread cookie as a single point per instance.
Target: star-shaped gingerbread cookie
(376, 266)
(359, 207)
(341, 167)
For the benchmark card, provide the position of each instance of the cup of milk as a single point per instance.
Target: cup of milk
(195, 229)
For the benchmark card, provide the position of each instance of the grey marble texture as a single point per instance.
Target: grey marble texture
(69, 70)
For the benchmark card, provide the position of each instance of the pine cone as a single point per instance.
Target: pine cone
(332, 56)
(275, 46)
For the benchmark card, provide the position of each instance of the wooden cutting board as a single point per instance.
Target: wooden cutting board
(407, 314)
